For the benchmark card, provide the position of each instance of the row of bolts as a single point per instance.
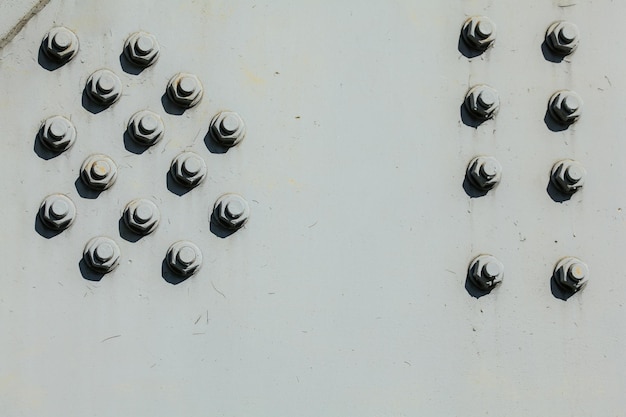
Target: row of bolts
(483, 172)
(99, 172)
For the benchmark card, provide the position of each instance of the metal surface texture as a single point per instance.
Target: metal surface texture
(156, 263)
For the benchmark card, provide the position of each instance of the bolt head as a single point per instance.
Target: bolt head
(57, 211)
(571, 274)
(60, 44)
(185, 90)
(98, 172)
(484, 172)
(101, 254)
(104, 87)
(231, 211)
(142, 49)
(482, 101)
(57, 134)
(562, 37)
(141, 216)
(485, 271)
(146, 128)
(227, 128)
(184, 258)
(188, 169)
(479, 32)
(568, 176)
(565, 106)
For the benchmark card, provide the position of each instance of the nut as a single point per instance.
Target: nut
(484, 172)
(568, 176)
(482, 101)
(101, 254)
(231, 211)
(184, 258)
(185, 89)
(562, 37)
(571, 274)
(60, 44)
(104, 87)
(565, 106)
(57, 211)
(146, 127)
(142, 49)
(98, 172)
(227, 128)
(141, 216)
(486, 272)
(479, 32)
(57, 133)
(188, 169)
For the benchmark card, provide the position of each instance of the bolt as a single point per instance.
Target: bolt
(227, 128)
(231, 211)
(185, 90)
(101, 254)
(482, 101)
(142, 49)
(98, 172)
(484, 172)
(57, 211)
(568, 176)
(188, 169)
(141, 216)
(565, 106)
(485, 271)
(57, 134)
(562, 37)
(571, 274)
(145, 128)
(60, 44)
(479, 32)
(184, 258)
(103, 87)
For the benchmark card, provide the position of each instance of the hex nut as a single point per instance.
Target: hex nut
(486, 272)
(57, 134)
(562, 37)
(568, 176)
(185, 89)
(146, 127)
(565, 106)
(142, 49)
(484, 172)
(227, 128)
(57, 211)
(101, 254)
(482, 101)
(571, 274)
(479, 32)
(184, 258)
(141, 216)
(231, 211)
(104, 87)
(60, 44)
(188, 169)
(98, 172)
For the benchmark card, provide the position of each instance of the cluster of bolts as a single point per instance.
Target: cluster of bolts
(99, 172)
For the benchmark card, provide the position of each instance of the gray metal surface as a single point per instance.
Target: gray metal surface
(346, 291)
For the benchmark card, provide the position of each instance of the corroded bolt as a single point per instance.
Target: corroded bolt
(146, 127)
(60, 44)
(231, 211)
(141, 216)
(482, 101)
(486, 272)
(57, 134)
(104, 87)
(98, 172)
(479, 32)
(568, 176)
(185, 90)
(57, 211)
(484, 172)
(184, 258)
(227, 128)
(188, 169)
(101, 254)
(571, 274)
(562, 37)
(142, 49)
(565, 106)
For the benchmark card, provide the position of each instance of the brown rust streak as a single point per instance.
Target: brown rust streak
(22, 22)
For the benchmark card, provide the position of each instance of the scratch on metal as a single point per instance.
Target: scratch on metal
(22, 22)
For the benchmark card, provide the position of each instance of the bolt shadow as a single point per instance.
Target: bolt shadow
(219, 230)
(212, 145)
(549, 54)
(473, 290)
(126, 233)
(85, 191)
(170, 276)
(132, 146)
(174, 186)
(471, 190)
(468, 119)
(42, 151)
(559, 292)
(88, 273)
(466, 50)
(555, 194)
(46, 63)
(90, 105)
(128, 66)
(170, 107)
(552, 124)
(43, 230)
